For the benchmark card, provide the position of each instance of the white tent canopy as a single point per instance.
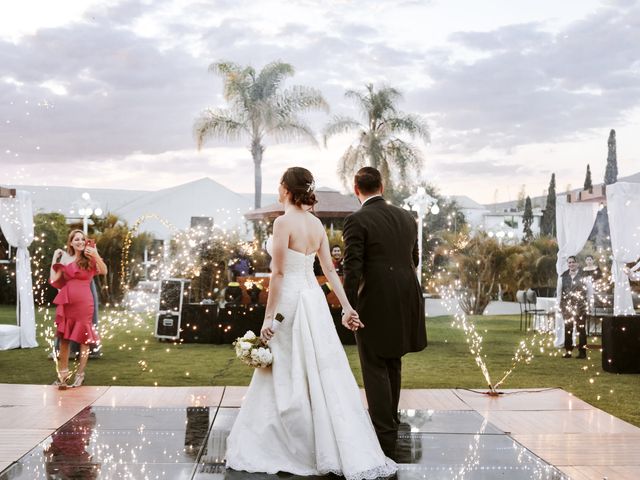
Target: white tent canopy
(623, 205)
(16, 223)
(574, 222)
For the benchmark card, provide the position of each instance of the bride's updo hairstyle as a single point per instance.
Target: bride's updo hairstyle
(299, 182)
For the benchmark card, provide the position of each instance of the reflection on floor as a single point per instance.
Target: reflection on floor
(189, 443)
(180, 433)
(120, 442)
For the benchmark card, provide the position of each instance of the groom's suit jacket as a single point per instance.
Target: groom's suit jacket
(381, 255)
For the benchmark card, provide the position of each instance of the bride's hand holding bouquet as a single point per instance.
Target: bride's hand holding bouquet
(251, 351)
(266, 332)
(254, 351)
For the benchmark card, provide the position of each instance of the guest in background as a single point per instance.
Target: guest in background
(71, 273)
(592, 277)
(591, 269)
(573, 305)
(240, 266)
(336, 256)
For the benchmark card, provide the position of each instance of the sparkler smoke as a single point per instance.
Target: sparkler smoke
(188, 253)
(126, 248)
(523, 354)
(473, 338)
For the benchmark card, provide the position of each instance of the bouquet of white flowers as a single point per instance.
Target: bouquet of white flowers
(252, 351)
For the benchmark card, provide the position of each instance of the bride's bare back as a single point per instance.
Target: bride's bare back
(306, 232)
(301, 231)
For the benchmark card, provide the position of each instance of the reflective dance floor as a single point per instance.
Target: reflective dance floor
(180, 433)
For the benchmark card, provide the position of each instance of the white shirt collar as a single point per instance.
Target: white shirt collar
(372, 196)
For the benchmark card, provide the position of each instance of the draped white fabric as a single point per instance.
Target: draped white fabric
(16, 222)
(623, 204)
(574, 222)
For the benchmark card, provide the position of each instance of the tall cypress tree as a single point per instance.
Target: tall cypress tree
(611, 173)
(548, 221)
(588, 185)
(527, 220)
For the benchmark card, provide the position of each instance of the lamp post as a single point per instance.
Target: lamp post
(421, 203)
(86, 208)
(502, 232)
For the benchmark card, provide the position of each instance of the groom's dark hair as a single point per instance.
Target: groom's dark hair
(368, 180)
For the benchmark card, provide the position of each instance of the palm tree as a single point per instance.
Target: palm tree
(377, 143)
(259, 107)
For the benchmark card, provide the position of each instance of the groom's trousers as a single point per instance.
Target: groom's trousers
(382, 380)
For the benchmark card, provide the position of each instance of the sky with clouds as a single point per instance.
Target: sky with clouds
(104, 93)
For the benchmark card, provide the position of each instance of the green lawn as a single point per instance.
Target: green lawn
(446, 363)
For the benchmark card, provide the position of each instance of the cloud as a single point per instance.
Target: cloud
(116, 91)
(510, 37)
(483, 168)
(126, 82)
(534, 86)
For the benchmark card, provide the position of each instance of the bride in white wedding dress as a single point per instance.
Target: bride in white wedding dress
(304, 415)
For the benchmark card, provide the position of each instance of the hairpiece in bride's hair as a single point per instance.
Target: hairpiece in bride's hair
(311, 186)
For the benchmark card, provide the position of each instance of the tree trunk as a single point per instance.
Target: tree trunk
(256, 152)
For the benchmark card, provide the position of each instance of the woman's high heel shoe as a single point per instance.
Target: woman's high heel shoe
(78, 380)
(61, 382)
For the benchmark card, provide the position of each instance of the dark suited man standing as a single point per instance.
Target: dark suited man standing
(381, 255)
(573, 304)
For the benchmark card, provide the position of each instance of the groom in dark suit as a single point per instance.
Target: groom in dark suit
(381, 256)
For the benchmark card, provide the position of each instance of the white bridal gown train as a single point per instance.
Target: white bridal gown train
(304, 415)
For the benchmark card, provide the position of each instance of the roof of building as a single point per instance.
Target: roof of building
(540, 201)
(331, 204)
(175, 205)
(63, 200)
(464, 202)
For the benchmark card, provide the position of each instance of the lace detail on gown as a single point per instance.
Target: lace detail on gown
(304, 415)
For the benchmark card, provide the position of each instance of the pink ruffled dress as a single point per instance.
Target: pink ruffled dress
(74, 304)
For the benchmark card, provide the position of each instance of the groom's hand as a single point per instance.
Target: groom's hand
(351, 320)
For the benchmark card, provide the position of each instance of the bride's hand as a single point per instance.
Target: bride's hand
(266, 333)
(351, 320)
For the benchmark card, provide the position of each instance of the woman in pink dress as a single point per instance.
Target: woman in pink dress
(71, 273)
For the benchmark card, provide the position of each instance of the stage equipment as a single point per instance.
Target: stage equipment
(174, 292)
(238, 319)
(326, 288)
(233, 293)
(206, 222)
(254, 289)
(621, 344)
(199, 323)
